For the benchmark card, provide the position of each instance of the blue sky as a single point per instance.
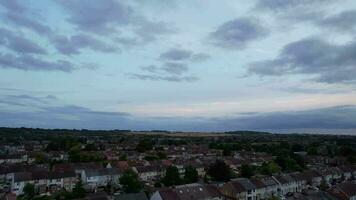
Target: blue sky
(178, 65)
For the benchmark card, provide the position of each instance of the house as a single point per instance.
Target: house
(266, 187)
(193, 191)
(313, 177)
(347, 171)
(44, 181)
(93, 178)
(287, 184)
(149, 173)
(311, 195)
(300, 180)
(240, 188)
(12, 159)
(132, 196)
(344, 191)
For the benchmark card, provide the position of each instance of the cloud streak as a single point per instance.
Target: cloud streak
(328, 62)
(238, 33)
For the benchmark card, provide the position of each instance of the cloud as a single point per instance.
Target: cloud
(281, 5)
(150, 31)
(330, 63)
(25, 100)
(175, 68)
(112, 18)
(324, 118)
(200, 57)
(27, 62)
(79, 110)
(49, 112)
(65, 117)
(16, 14)
(238, 33)
(12, 5)
(176, 54)
(74, 44)
(71, 116)
(171, 78)
(95, 16)
(344, 21)
(18, 43)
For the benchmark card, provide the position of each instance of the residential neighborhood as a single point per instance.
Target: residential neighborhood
(75, 164)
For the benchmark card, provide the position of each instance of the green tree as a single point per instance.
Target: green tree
(78, 190)
(144, 145)
(227, 151)
(123, 157)
(41, 158)
(172, 176)
(269, 168)
(246, 171)
(29, 191)
(130, 182)
(312, 151)
(219, 171)
(158, 184)
(190, 175)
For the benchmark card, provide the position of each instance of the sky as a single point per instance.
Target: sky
(184, 65)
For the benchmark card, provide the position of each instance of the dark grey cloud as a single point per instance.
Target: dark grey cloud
(278, 5)
(170, 78)
(12, 5)
(71, 116)
(16, 14)
(66, 117)
(330, 63)
(18, 43)
(344, 21)
(35, 64)
(25, 100)
(332, 117)
(95, 16)
(167, 71)
(151, 68)
(174, 68)
(79, 110)
(74, 44)
(238, 33)
(30, 23)
(200, 57)
(127, 42)
(176, 54)
(109, 17)
(150, 31)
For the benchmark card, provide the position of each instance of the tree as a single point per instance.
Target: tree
(123, 157)
(172, 176)
(190, 175)
(130, 182)
(157, 184)
(78, 190)
(246, 171)
(41, 158)
(269, 168)
(227, 151)
(219, 171)
(287, 163)
(29, 191)
(144, 145)
(312, 151)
